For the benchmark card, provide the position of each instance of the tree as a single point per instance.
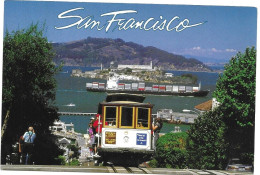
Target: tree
(29, 92)
(171, 150)
(206, 143)
(236, 93)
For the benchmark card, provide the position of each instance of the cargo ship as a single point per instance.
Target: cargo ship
(113, 86)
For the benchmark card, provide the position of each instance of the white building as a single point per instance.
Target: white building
(136, 67)
(168, 75)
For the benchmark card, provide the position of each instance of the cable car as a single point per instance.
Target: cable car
(126, 136)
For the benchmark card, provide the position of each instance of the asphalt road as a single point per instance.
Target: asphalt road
(120, 170)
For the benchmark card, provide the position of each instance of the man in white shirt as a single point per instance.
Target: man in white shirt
(28, 138)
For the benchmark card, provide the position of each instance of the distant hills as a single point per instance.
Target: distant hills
(94, 51)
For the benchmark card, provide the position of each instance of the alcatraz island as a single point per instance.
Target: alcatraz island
(147, 73)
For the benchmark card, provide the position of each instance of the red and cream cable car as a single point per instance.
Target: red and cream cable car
(126, 136)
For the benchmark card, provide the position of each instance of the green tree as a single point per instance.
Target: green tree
(206, 144)
(171, 150)
(29, 92)
(236, 93)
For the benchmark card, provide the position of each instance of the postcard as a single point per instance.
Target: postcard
(128, 87)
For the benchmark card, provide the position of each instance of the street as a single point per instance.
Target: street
(116, 170)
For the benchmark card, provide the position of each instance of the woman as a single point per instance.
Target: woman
(91, 134)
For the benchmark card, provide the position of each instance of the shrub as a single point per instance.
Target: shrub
(171, 151)
(74, 162)
(206, 145)
(153, 163)
(61, 160)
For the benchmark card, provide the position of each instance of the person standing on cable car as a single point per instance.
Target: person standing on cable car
(157, 126)
(97, 125)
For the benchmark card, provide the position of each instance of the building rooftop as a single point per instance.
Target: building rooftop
(206, 106)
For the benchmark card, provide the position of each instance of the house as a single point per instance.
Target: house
(64, 142)
(207, 106)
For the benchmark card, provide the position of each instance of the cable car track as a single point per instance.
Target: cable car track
(127, 170)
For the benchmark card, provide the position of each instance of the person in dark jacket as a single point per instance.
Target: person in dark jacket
(157, 126)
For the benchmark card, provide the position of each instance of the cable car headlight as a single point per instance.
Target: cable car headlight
(126, 139)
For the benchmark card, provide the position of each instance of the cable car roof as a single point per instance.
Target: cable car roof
(125, 97)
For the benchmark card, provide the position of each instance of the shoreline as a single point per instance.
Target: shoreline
(179, 70)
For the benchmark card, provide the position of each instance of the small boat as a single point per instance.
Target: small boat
(70, 105)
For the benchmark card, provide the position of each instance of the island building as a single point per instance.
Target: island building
(168, 75)
(115, 66)
(76, 72)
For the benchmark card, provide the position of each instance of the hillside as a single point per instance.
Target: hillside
(94, 51)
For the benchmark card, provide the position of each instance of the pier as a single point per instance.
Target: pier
(183, 117)
(77, 113)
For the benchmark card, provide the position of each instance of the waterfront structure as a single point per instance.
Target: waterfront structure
(76, 72)
(207, 106)
(59, 126)
(168, 75)
(136, 67)
(176, 117)
(164, 114)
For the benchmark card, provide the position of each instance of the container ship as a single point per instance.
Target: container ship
(113, 86)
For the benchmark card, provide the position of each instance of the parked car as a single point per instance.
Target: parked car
(236, 165)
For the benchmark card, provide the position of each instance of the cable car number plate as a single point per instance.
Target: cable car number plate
(110, 138)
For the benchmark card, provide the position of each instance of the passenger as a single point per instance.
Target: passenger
(114, 123)
(92, 120)
(98, 128)
(156, 129)
(91, 135)
(140, 124)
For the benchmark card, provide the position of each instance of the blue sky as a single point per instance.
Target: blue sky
(226, 30)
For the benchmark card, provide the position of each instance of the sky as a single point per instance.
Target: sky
(223, 30)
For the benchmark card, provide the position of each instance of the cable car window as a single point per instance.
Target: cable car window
(143, 118)
(127, 117)
(110, 115)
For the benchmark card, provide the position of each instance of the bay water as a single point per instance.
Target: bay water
(72, 90)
